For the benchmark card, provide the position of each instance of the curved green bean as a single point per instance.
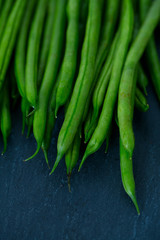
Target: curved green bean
(54, 58)
(153, 61)
(69, 63)
(127, 80)
(46, 40)
(20, 53)
(50, 122)
(105, 119)
(111, 14)
(141, 101)
(72, 155)
(6, 7)
(103, 81)
(142, 80)
(9, 37)
(32, 53)
(83, 83)
(5, 117)
(127, 175)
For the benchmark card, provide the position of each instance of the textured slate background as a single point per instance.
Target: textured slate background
(34, 205)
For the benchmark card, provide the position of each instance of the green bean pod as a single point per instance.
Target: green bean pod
(46, 40)
(9, 37)
(83, 83)
(111, 14)
(20, 53)
(50, 122)
(127, 80)
(72, 155)
(127, 175)
(31, 71)
(108, 139)
(29, 125)
(54, 58)
(69, 63)
(87, 122)
(90, 132)
(141, 101)
(104, 123)
(6, 7)
(153, 61)
(142, 80)
(102, 82)
(5, 117)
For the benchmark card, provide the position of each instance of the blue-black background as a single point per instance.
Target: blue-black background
(34, 205)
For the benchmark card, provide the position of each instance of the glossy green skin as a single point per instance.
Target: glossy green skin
(69, 63)
(72, 155)
(83, 83)
(107, 33)
(102, 82)
(151, 51)
(127, 80)
(33, 48)
(20, 54)
(46, 40)
(142, 80)
(89, 129)
(54, 58)
(9, 37)
(6, 7)
(5, 116)
(141, 101)
(87, 122)
(127, 175)
(108, 139)
(105, 119)
(50, 122)
(30, 125)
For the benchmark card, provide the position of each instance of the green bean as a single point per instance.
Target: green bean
(127, 80)
(32, 53)
(103, 81)
(141, 101)
(4, 15)
(5, 116)
(46, 40)
(87, 122)
(9, 37)
(108, 139)
(151, 52)
(20, 53)
(72, 155)
(89, 131)
(127, 175)
(111, 14)
(50, 122)
(142, 80)
(83, 83)
(29, 125)
(14, 90)
(54, 58)
(69, 63)
(104, 123)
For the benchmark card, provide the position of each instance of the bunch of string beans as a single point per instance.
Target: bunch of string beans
(86, 56)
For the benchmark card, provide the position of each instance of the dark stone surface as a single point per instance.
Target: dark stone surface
(34, 205)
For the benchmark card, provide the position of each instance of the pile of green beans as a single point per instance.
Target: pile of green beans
(86, 56)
